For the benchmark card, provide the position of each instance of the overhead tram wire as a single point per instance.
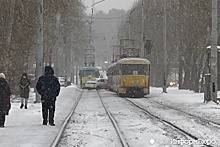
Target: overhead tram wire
(109, 21)
(110, 18)
(123, 16)
(107, 18)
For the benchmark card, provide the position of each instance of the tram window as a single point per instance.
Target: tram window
(117, 69)
(135, 72)
(146, 69)
(97, 74)
(135, 69)
(89, 73)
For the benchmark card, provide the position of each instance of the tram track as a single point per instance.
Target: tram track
(194, 137)
(196, 116)
(123, 137)
(114, 123)
(58, 137)
(77, 122)
(166, 124)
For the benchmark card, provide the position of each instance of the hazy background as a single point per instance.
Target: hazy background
(108, 4)
(105, 27)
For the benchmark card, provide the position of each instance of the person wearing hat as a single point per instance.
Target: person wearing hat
(48, 87)
(24, 90)
(5, 103)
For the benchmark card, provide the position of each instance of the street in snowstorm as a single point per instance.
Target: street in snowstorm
(109, 73)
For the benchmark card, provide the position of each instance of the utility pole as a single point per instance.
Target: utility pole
(40, 45)
(165, 49)
(57, 63)
(90, 29)
(214, 52)
(90, 53)
(142, 29)
(129, 27)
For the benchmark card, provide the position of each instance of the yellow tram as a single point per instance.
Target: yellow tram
(129, 77)
(88, 73)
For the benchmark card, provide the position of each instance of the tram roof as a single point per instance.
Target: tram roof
(89, 68)
(133, 61)
(113, 64)
(130, 61)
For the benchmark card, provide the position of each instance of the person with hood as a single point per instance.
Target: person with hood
(48, 87)
(24, 90)
(5, 103)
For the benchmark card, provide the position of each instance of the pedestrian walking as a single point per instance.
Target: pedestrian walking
(24, 90)
(48, 87)
(5, 103)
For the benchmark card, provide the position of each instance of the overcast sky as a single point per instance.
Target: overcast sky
(108, 4)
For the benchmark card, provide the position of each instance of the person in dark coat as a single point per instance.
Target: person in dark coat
(24, 90)
(48, 87)
(5, 103)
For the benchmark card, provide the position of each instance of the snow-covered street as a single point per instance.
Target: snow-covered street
(90, 126)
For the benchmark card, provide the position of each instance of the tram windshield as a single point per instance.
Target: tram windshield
(92, 73)
(135, 69)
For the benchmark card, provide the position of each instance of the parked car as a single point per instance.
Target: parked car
(101, 83)
(90, 85)
(96, 84)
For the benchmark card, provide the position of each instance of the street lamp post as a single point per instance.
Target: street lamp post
(97, 2)
(93, 4)
(91, 49)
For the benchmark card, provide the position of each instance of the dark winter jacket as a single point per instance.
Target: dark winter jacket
(48, 85)
(5, 94)
(24, 86)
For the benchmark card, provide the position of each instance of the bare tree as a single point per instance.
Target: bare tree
(18, 35)
(188, 34)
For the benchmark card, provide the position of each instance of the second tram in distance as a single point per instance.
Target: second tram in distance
(129, 77)
(88, 73)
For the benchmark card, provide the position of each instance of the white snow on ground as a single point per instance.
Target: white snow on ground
(140, 130)
(24, 128)
(90, 125)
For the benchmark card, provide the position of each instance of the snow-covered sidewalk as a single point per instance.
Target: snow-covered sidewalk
(23, 127)
(187, 101)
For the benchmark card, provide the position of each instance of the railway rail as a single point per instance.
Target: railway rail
(56, 141)
(196, 116)
(185, 135)
(114, 123)
(122, 136)
(194, 137)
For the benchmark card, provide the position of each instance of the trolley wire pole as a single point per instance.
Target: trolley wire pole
(142, 29)
(214, 52)
(165, 50)
(40, 44)
(91, 47)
